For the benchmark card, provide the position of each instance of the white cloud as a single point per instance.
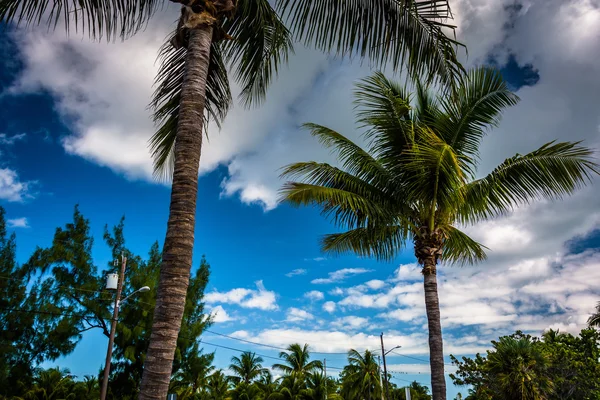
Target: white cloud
(261, 298)
(340, 275)
(314, 295)
(294, 272)
(342, 341)
(350, 322)
(375, 284)
(9, 140)
(409, 272)
(18, 223)
(329, 306)
(220, 315)
(316, 259)
(12, 188)
(296, 314)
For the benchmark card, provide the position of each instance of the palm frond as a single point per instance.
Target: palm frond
(381, 242)
(477, 106)
(110, 18)
(354, 159)
(346, 209)
(383, 107)
(261, 44)
(322, 174)
(165, 101)
(550, 172)
(460, 249)
(400, 32)
(434, 171)
(594, 319)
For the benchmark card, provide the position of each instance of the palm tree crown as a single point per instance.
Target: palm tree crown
(248, 367)
(297, 361)
(361, 376)
(416, 179)
(594, 319)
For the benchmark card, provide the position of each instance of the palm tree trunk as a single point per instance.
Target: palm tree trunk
(179, 242)
(436, 347)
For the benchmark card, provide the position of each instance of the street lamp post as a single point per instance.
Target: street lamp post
(113, 325)
(384, 353)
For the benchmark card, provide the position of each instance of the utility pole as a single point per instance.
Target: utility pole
(113, 328)
(380, 378)
(325, 367)
(387, 390)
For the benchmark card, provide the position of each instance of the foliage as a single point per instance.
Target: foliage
(557, 366)
(296, 361)
(58, 295)
(360, 378)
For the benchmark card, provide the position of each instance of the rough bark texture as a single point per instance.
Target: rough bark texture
(179, 242)
(428, 249)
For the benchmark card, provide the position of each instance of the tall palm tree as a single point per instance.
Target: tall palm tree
(297, 362)
(249, 36)
(248, 367)
(416, 180)
(517, 369)
(361, 376)
(594, 320)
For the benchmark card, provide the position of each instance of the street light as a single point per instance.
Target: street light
(113, 325)
(390, 350)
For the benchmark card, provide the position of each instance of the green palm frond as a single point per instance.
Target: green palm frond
(354, 159)
(400, 32)
(460, 249)
(434, 171)
(476, 107)
(346, 209)
(594, 319)
(165, 101)
(261, 44)
(383, 108)
(550, 172)
(382, 242)
(322, 174)
(110, 18)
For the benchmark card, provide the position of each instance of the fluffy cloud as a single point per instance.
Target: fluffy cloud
(294, 272)
(12, 188)
(220, 315)
(329, 306)
(350, 322)
(296, 314)
(340, 275)
(261, 298)
(342, 341)
(18, 223)
(314, 295)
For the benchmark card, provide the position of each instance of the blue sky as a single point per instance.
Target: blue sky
(73, 128)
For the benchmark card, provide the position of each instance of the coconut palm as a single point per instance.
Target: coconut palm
(248, 367)
(360, 378)
(217, 386)
(297, 362)
(292, 387)
(594, 320)
(250, 37)
(518, 370)
(416, 180)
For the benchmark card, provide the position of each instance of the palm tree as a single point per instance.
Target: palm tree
(266, 384)
(217, 386)
(51, 384)
(292, 387)
(360, 378)
(416, 180)
(297, 361)
(194, 372)
(248, 367)
(517, 369)
(594, 320)
(250, 37)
